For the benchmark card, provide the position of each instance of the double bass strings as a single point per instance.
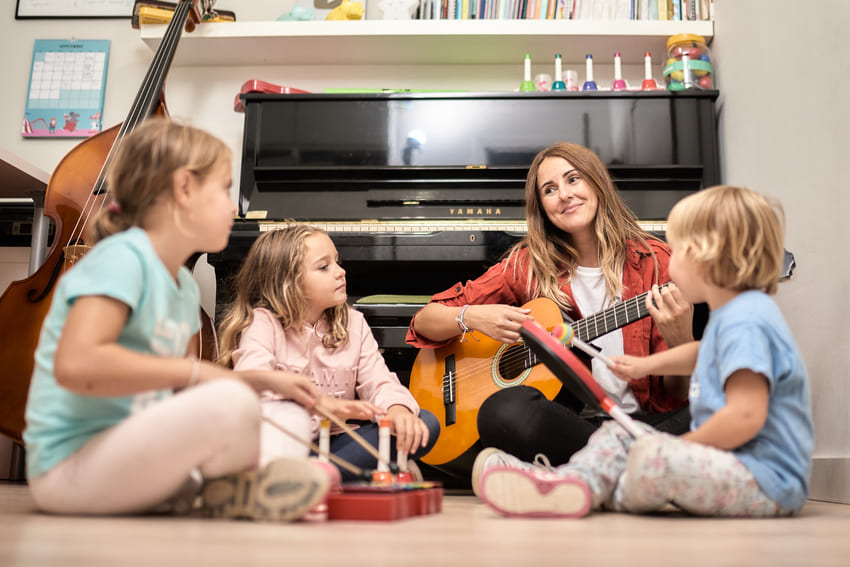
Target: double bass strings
(142, 108)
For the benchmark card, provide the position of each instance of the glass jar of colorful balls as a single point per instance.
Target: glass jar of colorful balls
(689, 64)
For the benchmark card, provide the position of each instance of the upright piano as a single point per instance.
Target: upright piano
(422, 190)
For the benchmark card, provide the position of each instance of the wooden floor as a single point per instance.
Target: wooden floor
(465, 533)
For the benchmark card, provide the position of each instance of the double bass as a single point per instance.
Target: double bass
(75, 192)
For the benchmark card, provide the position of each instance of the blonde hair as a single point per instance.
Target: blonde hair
(552, 256)
(271, 277)
(143, 168)
(734, 233)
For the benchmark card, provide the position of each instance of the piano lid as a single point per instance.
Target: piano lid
(462, 155)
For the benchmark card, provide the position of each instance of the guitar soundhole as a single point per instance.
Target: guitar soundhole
(512, 366)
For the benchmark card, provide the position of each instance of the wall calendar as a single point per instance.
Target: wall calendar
(66, 88)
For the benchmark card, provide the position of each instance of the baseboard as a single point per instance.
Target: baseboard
(830, 480)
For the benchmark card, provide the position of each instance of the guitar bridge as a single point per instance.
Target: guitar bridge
(449, 390)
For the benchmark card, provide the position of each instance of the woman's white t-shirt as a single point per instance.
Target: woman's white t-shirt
(588, 285)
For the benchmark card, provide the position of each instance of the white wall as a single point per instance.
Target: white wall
(204, 95)
(783, 72)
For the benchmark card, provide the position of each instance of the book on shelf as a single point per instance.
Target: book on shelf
(643, 10)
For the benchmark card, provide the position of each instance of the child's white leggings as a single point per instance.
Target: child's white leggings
(646, 474)
(144, 460)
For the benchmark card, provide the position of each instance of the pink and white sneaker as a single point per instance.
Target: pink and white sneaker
(332, 472)
(319, 512)
(534, 493)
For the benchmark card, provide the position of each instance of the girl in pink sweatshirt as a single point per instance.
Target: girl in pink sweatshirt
(290, 314)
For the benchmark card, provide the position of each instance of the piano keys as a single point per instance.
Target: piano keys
(422, 227)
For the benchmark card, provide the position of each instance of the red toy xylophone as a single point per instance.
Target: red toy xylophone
(388, 502)
(385, 494)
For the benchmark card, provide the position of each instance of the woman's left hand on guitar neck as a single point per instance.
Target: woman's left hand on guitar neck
(672, 313)
(674, 316)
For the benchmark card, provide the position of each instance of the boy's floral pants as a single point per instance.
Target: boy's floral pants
(645, 474)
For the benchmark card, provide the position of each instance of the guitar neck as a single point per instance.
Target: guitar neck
(612, 318)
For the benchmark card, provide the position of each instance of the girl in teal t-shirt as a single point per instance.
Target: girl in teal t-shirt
(105, 434)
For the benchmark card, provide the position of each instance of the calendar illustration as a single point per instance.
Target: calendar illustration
(66, 88)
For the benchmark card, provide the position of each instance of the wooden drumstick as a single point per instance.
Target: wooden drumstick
(333, 458)
(354, 435)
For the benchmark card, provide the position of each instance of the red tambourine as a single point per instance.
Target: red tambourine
(573, 374)
(258, 86)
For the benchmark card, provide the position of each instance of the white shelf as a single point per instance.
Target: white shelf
(417, 42)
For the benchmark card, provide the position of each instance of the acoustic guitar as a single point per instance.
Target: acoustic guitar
(453, 381)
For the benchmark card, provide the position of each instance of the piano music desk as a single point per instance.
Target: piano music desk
(20, 182)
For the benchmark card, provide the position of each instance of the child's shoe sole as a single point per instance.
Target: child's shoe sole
(281, 491)
(534, 494)
(478, 467)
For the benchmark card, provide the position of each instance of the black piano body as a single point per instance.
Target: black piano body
(422, 190)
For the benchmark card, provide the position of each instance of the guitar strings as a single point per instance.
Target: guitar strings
(519, 353)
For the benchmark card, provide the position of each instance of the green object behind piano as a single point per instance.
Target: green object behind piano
(395, 299)
(347, 90)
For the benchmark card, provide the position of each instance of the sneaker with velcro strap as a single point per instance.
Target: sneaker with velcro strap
(281, 491)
